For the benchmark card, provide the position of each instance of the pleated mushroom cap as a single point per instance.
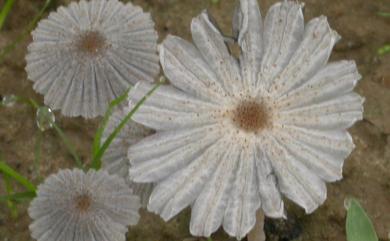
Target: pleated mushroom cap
(87, 54)
(76, 206)
(235, 135)
(115, 159)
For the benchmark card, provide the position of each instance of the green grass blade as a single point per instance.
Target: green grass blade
(383, 14)
(18, 197)
(5, 11)
(8, 49)
(98, 136)
(11, 205)
(358, 225)
(7, 170)
(96, 163)
(384, 50)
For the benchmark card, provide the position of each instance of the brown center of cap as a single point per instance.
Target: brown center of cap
(83, 202)
(250, 116)
(91, 42)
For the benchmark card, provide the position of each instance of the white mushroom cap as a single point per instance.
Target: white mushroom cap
(76, 206)
(87, 54)
(234, 135)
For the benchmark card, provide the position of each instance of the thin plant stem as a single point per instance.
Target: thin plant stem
(32, 102)
(7, 49)
(63, 137)
(5, 11)
(96, 163)
(38, 154)
(68, 145)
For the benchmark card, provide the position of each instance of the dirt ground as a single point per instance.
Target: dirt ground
(366, 172)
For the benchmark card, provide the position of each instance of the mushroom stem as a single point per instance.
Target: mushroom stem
(257, 233)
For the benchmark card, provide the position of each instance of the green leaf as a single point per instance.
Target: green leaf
(358, 225)
(96, 163)
(7, 170)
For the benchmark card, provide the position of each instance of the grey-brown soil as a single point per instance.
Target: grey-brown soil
(366, 171)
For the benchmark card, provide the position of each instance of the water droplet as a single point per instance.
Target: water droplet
(45, 118)
(347, 203)
(8, 100)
